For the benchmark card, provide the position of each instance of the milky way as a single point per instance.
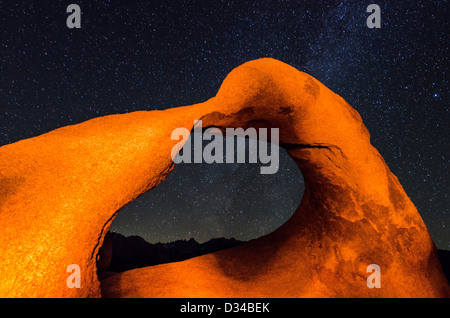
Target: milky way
(142, 55)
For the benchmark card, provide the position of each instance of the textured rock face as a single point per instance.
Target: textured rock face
(59, 193)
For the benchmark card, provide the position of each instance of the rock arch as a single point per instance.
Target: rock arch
(60, 191)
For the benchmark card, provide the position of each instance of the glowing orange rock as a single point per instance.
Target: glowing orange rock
(59, 193)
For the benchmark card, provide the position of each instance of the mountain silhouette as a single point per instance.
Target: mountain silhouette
(444, 258)
(126, 253)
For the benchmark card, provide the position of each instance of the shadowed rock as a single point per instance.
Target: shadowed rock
(64, 188)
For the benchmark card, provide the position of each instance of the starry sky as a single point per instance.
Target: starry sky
(147, 55)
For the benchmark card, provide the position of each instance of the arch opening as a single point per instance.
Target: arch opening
(202, 207)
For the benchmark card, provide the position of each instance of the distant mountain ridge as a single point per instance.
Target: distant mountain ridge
(444, 258)
(135, 252)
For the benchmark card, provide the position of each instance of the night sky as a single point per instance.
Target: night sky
(146, 55)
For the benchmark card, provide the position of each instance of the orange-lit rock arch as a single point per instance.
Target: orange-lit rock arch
(60, 191)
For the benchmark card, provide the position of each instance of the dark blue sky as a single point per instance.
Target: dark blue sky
(144, 55)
